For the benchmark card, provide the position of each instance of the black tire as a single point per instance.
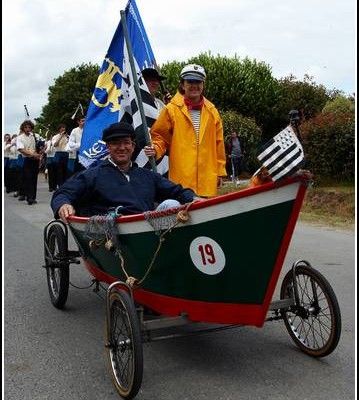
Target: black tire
(124, 345)
(315, 323)
(57, 268)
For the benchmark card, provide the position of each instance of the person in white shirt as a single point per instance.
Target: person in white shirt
(26, 143)
(7, 142)
(61, 156)
(73, 147)
(50, 165)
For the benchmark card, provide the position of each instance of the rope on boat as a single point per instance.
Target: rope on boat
(163, 222)
(151, 216)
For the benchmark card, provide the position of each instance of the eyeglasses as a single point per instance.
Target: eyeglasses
(119, 142)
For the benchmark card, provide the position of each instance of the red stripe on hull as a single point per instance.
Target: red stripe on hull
(196, 311)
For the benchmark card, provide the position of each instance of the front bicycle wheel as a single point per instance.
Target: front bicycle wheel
(124, 344)
(57, 268)
(315, 323)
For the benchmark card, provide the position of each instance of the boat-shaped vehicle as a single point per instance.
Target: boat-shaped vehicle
(215, 261)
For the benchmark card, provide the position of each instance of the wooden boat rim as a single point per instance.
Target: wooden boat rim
(303, 178)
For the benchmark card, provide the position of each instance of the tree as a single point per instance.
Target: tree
(339, 105)
(73, 87)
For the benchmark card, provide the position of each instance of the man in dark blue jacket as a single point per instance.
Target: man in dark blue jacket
(116, 183)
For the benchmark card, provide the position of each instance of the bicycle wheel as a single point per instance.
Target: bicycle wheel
(57, 268)
(124, 345)
(315, 323)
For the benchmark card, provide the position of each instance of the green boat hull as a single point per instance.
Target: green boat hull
(230, 255)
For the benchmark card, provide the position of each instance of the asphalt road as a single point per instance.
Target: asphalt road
(52, 354)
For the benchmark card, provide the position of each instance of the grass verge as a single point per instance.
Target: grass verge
(328, 205)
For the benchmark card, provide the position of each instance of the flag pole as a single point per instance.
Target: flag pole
(27, 115)
(137, 88)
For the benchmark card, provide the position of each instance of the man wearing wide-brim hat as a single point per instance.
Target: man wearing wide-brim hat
(116, 183)
(153, 81)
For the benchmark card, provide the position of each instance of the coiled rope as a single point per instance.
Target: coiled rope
(101, 229)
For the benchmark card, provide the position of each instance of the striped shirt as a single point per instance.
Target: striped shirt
(196, 118)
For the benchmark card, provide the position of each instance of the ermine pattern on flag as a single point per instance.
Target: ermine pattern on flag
(283, 155)
(130, 105)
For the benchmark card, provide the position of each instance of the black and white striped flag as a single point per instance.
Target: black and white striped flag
(129, 104)
(282, 155)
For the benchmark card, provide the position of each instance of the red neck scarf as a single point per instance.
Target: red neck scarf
(192, 106)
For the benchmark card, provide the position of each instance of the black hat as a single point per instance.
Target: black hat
(118, 129)
(151, 73)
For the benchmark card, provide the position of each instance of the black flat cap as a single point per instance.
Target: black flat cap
(118, 129)
(151, 73)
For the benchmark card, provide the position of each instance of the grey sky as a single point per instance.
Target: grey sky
(44, 38)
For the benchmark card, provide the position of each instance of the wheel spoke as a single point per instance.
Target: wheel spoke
(57, 274)
(314, 322)
(125, 347)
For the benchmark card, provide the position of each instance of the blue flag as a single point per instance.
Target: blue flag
(108, 102)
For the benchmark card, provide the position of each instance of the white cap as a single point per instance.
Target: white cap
(193, 72)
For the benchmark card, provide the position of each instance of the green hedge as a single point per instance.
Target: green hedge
(329, 145)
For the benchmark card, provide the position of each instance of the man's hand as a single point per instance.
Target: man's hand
(65, 211)
(150, 151)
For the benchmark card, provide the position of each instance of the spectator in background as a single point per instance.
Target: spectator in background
(73, 147)
(26, 144)
(50, 166)
(61, 156)
(6, 149)
(235, 154)
(11, 174)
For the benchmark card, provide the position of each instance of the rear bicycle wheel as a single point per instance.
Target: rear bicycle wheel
(315, 323)
(57, 268)
(124, 344)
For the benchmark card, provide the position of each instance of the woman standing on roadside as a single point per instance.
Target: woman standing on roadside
(50, 166)
(29, 169)
(61, 156)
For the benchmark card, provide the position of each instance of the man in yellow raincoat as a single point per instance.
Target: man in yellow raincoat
(190, 128)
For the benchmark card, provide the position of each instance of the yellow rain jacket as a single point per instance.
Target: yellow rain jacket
(193, 163)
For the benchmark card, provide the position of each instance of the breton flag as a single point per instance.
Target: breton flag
(130, 106)
(282, 155)
(114, 94)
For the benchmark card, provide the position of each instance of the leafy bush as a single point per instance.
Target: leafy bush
(339, 105)
(329, 145)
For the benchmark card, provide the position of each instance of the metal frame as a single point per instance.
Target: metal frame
(151, 326)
